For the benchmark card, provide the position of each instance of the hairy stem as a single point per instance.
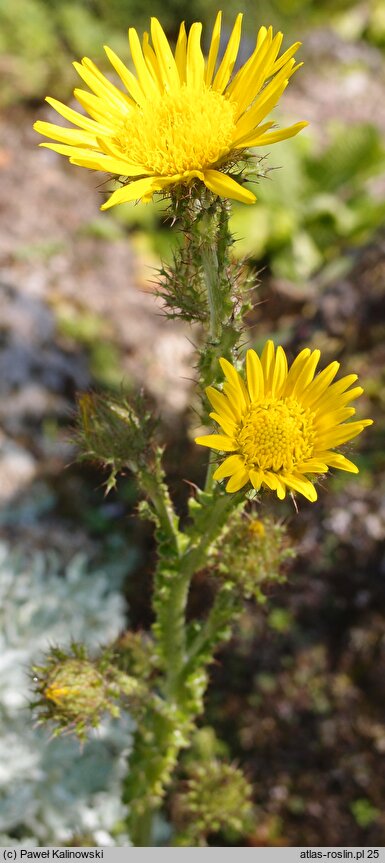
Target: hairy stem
(182, 678)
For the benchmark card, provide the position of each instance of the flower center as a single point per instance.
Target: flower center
(184, 130)
(276, 434)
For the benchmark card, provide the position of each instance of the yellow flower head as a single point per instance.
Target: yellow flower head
(178, 117)
(283, 424)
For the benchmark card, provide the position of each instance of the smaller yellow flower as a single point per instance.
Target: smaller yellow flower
(282, 424)
(177, 117)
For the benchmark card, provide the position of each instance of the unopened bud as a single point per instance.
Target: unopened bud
(251, 554)
(75, 691)
(217, 797)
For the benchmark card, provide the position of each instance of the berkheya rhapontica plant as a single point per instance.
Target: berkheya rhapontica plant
(182, 126)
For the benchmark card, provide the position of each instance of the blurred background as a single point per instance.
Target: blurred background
(298, 695)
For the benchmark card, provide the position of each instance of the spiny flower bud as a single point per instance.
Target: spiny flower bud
(76, 688)
(74, 691)
(217, 797)
(251, 553)
(134, 653)
(117, 433)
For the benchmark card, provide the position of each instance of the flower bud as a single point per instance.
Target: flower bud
(217, 798)
(251, 554)
(74, 691)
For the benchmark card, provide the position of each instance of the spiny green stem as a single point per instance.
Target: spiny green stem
(211, 465)
(209, 259)
(171, 623)
(163, 730)
(141, 830)
(157, 491)
(222, 505)
(225, 609)
(174, 634)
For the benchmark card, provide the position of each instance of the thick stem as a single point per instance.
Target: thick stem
(182, 667)
(157, 491)
(224, 327)
(215, 241)
(171, 624)
(211, 465)
(141, 830)
(225, 609)
(174, 639)
(217, 513)
(209, 259)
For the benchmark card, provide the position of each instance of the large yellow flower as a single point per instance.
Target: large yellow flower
(178, 118)
(284, 423)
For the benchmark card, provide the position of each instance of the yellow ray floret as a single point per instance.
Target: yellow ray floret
(175, 118)
(280, 426)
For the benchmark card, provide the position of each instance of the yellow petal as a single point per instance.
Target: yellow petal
(312, 465)
(101, 162)
(321, 382)
(342, 385)
(259, 72)
(280, 372)
(337, 436)
(238, 480)
(228, 61)
(75, 137)
(285, 57)
(254, 372)
(195, 61)
(262, 33)
(128, 79)
(264, 140)
(303, 486)
(350, 395)
(235, 380)
(96, 107)
(228, 426)
(306, 374)
(226, 187)
(330, 400)
(281, 489)
(274, 483)
(236, 399)
(100, 85)
(146, 80)
(132, 192)
(295, 370)
(256, 479)
(214, 48)
(335, 459)
(221, 404)
(152, 62)
(67, 150)
(331, 419)
(79, 119)
(164, 55)
(217, 441)
(267, 362)
(265, 101)
(252, 74)
(248, 139)
(181, 53)
(232, 464)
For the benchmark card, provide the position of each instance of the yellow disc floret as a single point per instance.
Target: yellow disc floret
(276, 435)
(179, 131)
